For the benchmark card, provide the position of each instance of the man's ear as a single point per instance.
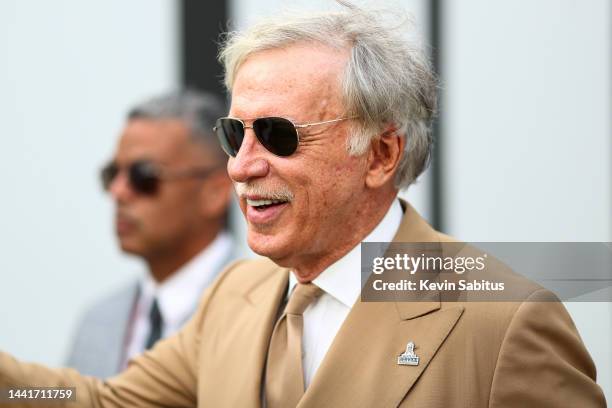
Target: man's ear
(384, 156)
(216, 195)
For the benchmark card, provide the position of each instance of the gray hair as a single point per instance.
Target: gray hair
(387, 80)
(197, 110)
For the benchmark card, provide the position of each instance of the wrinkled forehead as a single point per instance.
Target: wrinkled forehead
(302, 78)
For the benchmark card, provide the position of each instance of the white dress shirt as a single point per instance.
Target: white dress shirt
(341, 284)
(177, 296)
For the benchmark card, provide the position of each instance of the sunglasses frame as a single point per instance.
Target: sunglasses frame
(296, 126)
(158, 173)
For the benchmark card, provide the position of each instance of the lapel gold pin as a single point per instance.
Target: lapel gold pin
(408, 357)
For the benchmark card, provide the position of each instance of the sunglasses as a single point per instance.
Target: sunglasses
(278, 135)
(145, 176)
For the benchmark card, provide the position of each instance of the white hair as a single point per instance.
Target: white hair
(387, 81)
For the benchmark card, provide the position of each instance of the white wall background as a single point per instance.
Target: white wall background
(527, 119)
(69, 71)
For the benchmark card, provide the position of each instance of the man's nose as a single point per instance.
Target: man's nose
(250, 162)
(120, 188)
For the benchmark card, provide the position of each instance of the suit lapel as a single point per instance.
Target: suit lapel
(121, 313)
(244, 345)
(361, 366)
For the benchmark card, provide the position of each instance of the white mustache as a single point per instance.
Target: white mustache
(271, 193)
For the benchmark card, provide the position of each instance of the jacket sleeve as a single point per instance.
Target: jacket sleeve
(165, 376)
(162, 377)
(542, 361)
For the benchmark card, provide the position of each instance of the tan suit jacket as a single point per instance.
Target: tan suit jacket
(472, 354)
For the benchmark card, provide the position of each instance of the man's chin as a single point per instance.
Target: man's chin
(130, 248)
(271, 247)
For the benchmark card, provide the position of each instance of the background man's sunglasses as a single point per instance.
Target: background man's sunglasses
(144, 176)
(279, 135)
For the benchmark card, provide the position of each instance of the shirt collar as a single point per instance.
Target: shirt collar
(342, 279)
(178, 295)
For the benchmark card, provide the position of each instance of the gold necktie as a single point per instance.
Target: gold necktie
(284, 373)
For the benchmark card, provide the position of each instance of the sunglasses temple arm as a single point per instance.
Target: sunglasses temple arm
(305, 125)
(191, 173)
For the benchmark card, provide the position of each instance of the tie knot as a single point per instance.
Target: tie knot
(303, 294)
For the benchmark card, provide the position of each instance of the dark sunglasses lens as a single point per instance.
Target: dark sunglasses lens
(143, 177)
(108, 174)
(278, 135)
(230, 133)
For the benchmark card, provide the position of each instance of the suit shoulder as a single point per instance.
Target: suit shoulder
(118, 300)
(542, 338)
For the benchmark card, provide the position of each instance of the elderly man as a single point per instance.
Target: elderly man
(330, 116)
(171, 197)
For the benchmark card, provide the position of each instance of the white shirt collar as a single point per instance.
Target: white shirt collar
(178, 295)
(342, 279)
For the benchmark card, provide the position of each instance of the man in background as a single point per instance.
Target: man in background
(171, 194)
